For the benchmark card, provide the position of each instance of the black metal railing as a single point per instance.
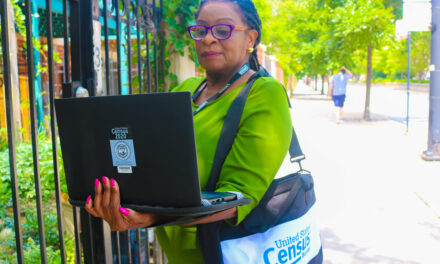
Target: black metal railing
(108, 47)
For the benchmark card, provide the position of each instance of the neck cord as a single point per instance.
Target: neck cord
(243, 70)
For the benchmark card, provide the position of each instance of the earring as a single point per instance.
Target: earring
(251, 50)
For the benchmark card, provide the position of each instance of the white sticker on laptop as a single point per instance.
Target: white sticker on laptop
(125, 169)
(122, 150)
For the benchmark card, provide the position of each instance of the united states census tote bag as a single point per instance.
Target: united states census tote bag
(281, 228)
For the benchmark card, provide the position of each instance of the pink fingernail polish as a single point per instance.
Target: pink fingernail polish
(124, 211)
(104, 180)
(112, 182)
(88, 199)
(96, 184)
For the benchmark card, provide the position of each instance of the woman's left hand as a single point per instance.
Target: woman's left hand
(107, 205)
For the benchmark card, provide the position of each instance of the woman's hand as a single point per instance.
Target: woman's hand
(107, 205)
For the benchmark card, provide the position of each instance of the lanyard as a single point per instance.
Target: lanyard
(243, 70)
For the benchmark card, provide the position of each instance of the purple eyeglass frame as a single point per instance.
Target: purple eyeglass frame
(232, 27)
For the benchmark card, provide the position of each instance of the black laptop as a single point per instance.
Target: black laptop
(145, 142)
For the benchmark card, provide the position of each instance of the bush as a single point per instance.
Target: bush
(27, 199)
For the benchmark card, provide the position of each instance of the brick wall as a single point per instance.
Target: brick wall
(270, 63)
(280, 73)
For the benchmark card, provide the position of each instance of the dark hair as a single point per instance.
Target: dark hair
(343, 70)
(252, 19)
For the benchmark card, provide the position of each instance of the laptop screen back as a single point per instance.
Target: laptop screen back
(145, 142)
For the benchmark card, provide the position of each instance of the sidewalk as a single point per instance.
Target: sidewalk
(379, 202)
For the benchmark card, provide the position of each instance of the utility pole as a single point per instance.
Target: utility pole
(408, 77)
(433, 152)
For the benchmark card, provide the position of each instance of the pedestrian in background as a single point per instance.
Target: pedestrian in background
(338, 89)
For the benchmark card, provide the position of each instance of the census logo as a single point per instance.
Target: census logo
(122, 150)
(296, 242)
(291, 249)
(123, 153)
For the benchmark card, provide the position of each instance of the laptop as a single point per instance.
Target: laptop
(145, 142)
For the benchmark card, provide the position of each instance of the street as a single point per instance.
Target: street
(378, 201)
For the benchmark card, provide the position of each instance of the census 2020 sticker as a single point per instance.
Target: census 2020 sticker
(122, 150)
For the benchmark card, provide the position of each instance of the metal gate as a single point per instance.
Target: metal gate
(105, 46)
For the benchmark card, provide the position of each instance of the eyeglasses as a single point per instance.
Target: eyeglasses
(219, 31)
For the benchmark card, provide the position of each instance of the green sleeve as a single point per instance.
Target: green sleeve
(260, 146)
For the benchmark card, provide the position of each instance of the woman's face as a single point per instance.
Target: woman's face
(221, 56)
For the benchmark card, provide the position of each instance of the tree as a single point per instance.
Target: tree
(368, 25)
(314, 37)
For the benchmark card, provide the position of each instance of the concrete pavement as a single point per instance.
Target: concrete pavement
(378, 201)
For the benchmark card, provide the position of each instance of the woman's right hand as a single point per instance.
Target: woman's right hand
(107, 205)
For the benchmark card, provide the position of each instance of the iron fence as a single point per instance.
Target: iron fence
(109, 47)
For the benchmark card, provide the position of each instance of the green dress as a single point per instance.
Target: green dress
(259, 149)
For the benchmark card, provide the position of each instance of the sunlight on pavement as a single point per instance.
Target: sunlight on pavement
(377, 198)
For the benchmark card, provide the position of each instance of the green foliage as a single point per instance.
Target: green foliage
(3, 139)
(27, 200)
(312, 37)
(420, 53)
(265, 10)
(32, 250)
(392, 59)
(396, 5)
(362, 23)
(315, 37)
(177, 16)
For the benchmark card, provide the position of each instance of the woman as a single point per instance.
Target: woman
(227, 34)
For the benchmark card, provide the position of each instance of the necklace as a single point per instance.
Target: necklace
(243, 70)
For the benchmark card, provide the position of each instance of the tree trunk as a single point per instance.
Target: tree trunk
(292, 84)
(316, 82)
(368, 83)
(329, 75)
(322, 83)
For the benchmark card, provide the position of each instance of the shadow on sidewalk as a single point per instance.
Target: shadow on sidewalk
(332, 244)
(356, 117)
(435, 229)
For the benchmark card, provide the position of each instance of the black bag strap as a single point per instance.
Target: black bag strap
(209, 233)
(230, 128)
(295, 151)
